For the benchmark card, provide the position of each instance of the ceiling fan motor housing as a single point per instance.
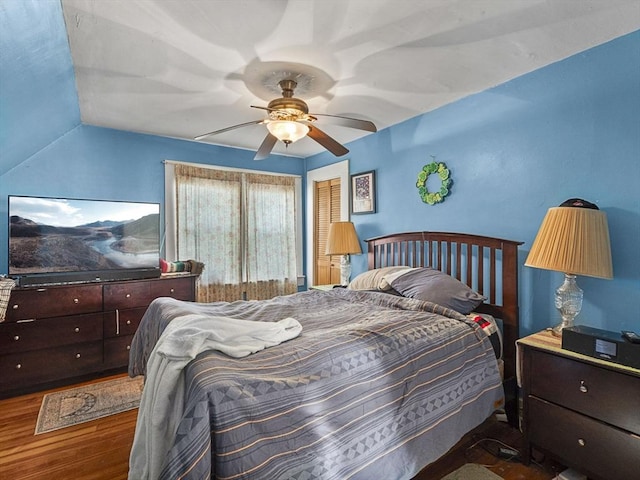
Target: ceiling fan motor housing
(288, 107)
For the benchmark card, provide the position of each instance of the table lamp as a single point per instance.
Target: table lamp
(573, 239)
(343, 240)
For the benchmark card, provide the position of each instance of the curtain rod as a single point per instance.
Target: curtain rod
(234, 169)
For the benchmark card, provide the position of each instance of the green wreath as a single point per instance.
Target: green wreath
(443, 172)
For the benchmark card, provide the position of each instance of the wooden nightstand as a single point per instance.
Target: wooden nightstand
(324, 288)
(582, 411)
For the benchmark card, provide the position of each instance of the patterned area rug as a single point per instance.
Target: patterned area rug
(83, 404)
(472, 471)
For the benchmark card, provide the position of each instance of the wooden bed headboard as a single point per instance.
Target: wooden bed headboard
(487, 265)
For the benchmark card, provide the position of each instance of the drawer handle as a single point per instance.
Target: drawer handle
(128, 322)
(581, 442)
(16, 338)
(76, 329)
(77, 355)
(75, 300)
(18, 366)
(128, 347)
(128, 295)
(15, 306)
(172, 290)
(583, 387)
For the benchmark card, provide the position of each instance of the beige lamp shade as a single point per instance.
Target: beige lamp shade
(342, 239)
(575, 241)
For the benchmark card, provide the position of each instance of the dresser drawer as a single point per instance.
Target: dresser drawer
(178, 288)
(593, 447)
(610, 396)
(123, 322)
(53, 301)
(51, 332)
(40, 366)
(127, 295)
(116, 351)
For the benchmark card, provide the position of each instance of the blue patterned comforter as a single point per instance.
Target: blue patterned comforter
(375, 387)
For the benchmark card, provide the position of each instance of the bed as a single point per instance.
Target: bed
(370, 384)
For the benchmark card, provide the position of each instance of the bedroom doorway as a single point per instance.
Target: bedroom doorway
(327, 201)
(334, 210)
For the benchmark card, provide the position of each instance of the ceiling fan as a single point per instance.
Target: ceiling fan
(288, 120)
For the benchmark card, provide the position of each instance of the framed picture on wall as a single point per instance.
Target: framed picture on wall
(363, 192)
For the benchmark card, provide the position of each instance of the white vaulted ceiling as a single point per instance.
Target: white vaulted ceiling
(181, 68)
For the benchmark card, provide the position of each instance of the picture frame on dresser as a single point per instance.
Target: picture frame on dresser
(363, 192)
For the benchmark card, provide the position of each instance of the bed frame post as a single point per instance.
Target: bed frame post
(511, 328)
(510, 303)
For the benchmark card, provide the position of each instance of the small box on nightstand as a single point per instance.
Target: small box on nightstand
(602, 344)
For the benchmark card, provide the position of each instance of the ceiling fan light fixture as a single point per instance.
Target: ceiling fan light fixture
(287, 131)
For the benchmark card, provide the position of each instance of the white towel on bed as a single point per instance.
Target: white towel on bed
(162, 399)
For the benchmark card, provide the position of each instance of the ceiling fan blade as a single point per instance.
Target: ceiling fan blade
(265, 149)
(326, 141)
(349, 122)
(254, 122)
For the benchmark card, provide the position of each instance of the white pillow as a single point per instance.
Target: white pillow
(372, 279)
(385, 283)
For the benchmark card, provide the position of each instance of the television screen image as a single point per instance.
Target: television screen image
(56, 235)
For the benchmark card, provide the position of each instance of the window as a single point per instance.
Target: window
(241, 225)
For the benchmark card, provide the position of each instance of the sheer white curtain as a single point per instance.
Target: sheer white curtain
(208, 222)
(270, 236)
(242, 227)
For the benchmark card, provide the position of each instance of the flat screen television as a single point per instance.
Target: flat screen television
(64, 240)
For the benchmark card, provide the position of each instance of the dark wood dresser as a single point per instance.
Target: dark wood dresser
(54, 335)
(582, 411)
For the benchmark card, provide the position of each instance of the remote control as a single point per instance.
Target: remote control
(632, 337)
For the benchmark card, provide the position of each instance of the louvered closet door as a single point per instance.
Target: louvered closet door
(326, 210)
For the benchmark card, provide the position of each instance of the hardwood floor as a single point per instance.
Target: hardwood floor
(96, 450)
(475, 447)
(99, 450)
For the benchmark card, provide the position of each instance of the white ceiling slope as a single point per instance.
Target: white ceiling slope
(181, 68)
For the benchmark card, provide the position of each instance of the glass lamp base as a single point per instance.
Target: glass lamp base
(557, 330)
(345, 270)
(569, 302)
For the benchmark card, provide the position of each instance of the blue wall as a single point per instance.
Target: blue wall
(569, 130)
(38, 100)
